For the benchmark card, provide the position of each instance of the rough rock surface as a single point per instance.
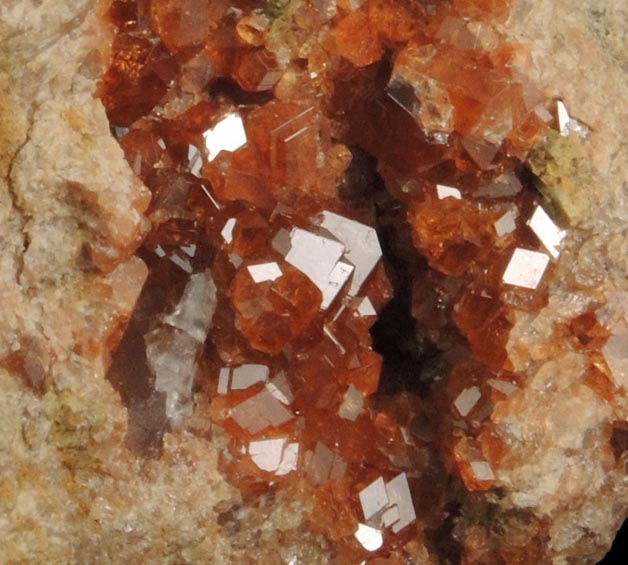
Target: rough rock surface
(69, 489)
(578, 477)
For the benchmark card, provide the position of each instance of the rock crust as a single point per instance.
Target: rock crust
(70, 491)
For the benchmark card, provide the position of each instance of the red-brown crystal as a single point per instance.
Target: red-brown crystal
(342, 118)
(273, 314)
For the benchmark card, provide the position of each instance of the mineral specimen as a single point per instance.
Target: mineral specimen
(346, 240)
(290, 214)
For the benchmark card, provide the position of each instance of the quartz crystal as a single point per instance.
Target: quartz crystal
(333, 181)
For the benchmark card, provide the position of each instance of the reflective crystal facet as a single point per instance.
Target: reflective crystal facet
(526, 268)
(227, 135)
(264, 272)
(370, 538)
(319, 258)
(347, 265)
(362, 247)
(546, 230)
(260, 412)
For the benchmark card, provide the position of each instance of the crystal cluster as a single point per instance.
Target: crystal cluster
(308, 161)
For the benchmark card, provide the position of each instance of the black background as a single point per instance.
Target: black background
(619, 551)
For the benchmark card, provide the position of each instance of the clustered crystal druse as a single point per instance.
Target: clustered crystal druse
(316, 168)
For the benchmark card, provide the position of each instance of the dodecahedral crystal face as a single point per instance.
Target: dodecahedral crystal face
(309, 161)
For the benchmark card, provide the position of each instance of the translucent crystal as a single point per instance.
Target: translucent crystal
(563, 118)
(227, 135)
(352, 404)
(264, 272)
(319, 258)
(505, 387)
(505, 185)
(374, 498)
(242, 377)
(393, 499)
(444, 191)
(400, 498)
(295, 146)
(181, 23)
(568, 125)
(258, 70)
(362, 247)
(506, 224)
(227, 230)
(482, 471)
(289, 459)
(260, 412)
(355, 39)
(252, 27)
(182, 262)
(547, 231)
(196, 72)
(194, 311)
(526, 268)
(274, 455)
(173, 347)
(366, 307)
(172, 358)
(281, 144)
(247, 375)
(467, 399)
(330, 334)
(403, 94)
(235, 260)
(279, 387)
(482, 152)
(223, 380)
(370, 538)
(421, 96)
(272, 313)
(323, 464)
